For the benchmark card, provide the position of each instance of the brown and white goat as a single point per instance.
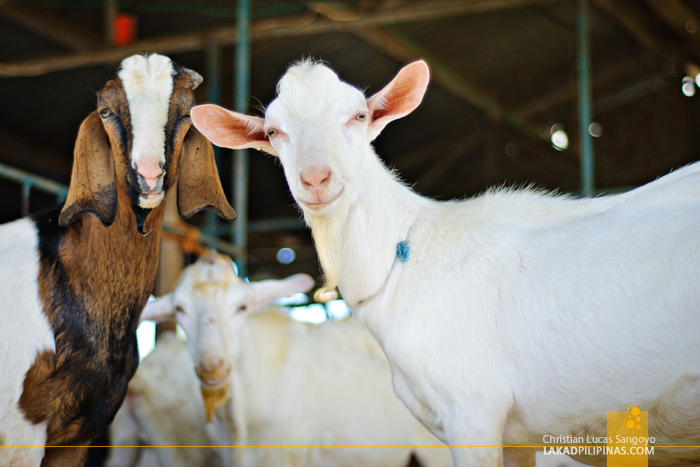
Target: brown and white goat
(73, 286)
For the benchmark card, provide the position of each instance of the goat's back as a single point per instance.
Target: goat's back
(581, 306)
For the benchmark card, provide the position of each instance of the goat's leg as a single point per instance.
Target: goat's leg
(465, 455)
(73, 456)
(518, 457)
(475, 432)
(474, 446)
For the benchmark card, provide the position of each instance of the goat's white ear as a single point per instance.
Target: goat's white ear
(398, 98)
(229, 129)
(267, 291)
(159, 310)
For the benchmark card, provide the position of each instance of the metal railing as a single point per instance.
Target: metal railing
(29, 181)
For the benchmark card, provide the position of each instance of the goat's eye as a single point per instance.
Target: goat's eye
(241, 308)
(271, 132)
(361, 116)
(104, 113)
(179, 309)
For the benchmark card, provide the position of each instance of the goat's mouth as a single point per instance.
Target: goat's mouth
(324, 204)
(213, 380)
(151, 200)
(148, 193)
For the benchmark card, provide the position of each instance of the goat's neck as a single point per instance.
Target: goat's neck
(373, 227)
(246, 381)
(116, 264)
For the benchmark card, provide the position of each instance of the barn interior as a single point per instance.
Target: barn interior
(586, 97)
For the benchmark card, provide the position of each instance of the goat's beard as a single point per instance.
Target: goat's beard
(327, 233)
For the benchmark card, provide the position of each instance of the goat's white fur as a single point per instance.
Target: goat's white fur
(164, 408)
(320, 388)
(518, 314)
(148, 84)
(24, 332)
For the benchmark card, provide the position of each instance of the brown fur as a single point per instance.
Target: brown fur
(93, 164)
(95, 280)
(65, 457)
(213, 399)
(196, 188)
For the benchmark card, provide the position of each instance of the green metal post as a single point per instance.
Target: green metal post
(585, 105)
(240, 165)
(213, 83)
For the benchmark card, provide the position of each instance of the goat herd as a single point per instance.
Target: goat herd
(500, 321)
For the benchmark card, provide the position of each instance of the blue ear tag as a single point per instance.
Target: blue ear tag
(402, 251)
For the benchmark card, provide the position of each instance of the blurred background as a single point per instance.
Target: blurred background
(581, 96)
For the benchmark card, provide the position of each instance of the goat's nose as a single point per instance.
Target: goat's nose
(210, 366)
(150, 171)
(316, 177)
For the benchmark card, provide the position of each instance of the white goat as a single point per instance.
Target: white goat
(302, 394)
(164, 408)
(507, 317)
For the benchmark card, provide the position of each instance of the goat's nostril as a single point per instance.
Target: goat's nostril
(211, 369)
(150, 173)
(151, 183)
(316, 177)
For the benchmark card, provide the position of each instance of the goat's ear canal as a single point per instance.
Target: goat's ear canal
(93, 188)
(398, 98)
(229, 129)
(198, 185)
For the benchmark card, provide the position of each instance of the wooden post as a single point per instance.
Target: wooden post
(171, 260)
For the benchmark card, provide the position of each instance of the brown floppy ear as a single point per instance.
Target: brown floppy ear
(198, 185)
(93, 188)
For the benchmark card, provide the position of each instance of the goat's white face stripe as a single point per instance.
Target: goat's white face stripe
(148, 85)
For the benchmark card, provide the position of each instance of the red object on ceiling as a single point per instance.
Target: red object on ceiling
(124, 29)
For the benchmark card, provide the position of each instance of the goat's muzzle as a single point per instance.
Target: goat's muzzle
(212, 374)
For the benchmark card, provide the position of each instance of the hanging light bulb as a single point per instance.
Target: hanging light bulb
(595, 129)
(560, 140)
(688, 86)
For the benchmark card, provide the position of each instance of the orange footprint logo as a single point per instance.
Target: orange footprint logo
(633, 419)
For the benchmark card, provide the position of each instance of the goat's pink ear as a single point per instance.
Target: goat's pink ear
(229, 129)
(398, 98)
(159, 310)
(267, 291)
(93, 188)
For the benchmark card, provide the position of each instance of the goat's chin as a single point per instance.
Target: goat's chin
(151, 200)
(213, 399)
(323, 209)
